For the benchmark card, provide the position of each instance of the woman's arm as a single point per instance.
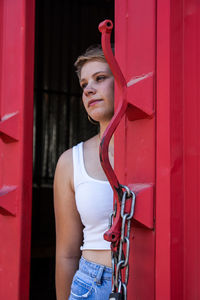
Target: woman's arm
(68, 226)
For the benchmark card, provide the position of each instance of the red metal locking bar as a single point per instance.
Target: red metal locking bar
(113, 234)
(141, 110)
(106, 28)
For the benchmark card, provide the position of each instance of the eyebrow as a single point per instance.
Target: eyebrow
(95, 74)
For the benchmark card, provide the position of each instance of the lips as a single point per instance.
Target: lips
(93, 102)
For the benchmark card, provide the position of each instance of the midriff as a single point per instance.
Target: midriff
(102, 257)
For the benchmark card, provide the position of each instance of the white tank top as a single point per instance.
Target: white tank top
(94, 201)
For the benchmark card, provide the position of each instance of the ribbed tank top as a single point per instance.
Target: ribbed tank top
(94, 201)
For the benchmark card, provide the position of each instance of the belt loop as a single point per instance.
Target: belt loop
(99, 275)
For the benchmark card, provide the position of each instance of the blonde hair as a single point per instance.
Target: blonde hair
(92, 53)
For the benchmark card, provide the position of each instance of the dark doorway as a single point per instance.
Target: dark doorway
(64, 29)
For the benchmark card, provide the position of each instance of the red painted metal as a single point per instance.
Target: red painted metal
(137, 110)
(135, 97)
(191, 154)
(163, 268)
(135, 40)
(9, 127)
(106, 28)
(16, 123)
(165, 261)
(8, 200)
(178, 150)
(151, 38)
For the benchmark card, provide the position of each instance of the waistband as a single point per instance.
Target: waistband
(94, 270)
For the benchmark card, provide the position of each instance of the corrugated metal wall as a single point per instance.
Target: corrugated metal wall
(64, 29)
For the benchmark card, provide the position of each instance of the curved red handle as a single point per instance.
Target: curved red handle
(144, 212)
(106, 28)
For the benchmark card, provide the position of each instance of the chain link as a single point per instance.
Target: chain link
(119, 259)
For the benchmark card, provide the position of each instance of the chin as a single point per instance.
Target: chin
(102, 117)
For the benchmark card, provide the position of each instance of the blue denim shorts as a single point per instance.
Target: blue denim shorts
(92, 281)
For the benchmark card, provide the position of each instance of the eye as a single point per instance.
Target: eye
(83, 85)
(100, 78)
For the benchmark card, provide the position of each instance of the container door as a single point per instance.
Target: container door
(157, 144)
(178, 150)
(135, 31)
(16, 126)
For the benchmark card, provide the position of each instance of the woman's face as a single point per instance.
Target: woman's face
(97, 83)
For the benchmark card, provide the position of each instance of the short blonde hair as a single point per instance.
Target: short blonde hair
(92, 53)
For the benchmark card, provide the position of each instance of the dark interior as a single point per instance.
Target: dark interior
(63, 30)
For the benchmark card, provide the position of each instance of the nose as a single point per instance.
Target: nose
(89, 90)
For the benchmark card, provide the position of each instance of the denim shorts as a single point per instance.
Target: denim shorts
(92, 281)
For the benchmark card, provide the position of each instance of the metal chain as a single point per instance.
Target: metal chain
(119, 259)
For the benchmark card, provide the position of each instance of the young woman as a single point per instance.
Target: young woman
(82, 195)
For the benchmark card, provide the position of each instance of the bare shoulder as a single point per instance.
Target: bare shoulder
(65, 159)
(64, 169)
(66, 213)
